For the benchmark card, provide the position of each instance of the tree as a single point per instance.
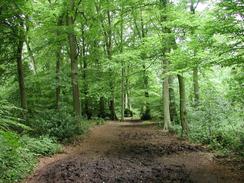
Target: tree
(165, 63)
(183, 113)
(21, 38)
(73, 58)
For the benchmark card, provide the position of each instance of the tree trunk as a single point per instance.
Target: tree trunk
(30, 52)
(74, 64)
(122, 91)
(166, 97)
(122, 68)
(58, 78)
(23, 101)
(58, 68)
(196, 86)
(102, 113)
(146, 106)
(109, 46)
(172, 106)
(183, 113)
(86, 111)
(146, 114)
(127, 91)
(113, 115)
(195, 70)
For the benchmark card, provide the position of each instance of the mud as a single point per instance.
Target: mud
(124, 152)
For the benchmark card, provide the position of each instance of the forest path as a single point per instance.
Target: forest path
(132, 152)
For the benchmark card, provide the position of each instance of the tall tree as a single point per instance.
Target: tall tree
(109, 47)
(193, 6)
(21, 39)
(123, 92)
(58, 64)
(165, 63)
(73, 58)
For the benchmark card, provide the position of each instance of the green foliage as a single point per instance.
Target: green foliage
(152, 32)
(218, 124)
(41, 146)
(18, 154)
(58, 124)
(9, 119)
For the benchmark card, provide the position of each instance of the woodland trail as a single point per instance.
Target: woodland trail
(133, 152)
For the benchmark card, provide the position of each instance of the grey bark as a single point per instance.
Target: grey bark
(166, 101)
(183, 113)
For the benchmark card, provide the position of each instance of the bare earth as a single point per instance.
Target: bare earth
(131, 153)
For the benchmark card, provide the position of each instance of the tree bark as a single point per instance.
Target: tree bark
(86, 111)
(102, 113)
(172, 106)
(58, 68)
(183, 113)
(22, 92)
(166, 97)
(195, 70)
(146, 114)
(196, 86)
(109, 46)
(122, 68)
(30, 52)
(122, 91)
(58, 78)
(74, 61)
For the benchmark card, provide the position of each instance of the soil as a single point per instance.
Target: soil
(132, 153)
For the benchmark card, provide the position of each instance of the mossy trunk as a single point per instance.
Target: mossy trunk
(183, 112)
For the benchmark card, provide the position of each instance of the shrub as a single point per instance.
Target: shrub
(60, 125)
(15, 161)
(44, 145)
(18, 155)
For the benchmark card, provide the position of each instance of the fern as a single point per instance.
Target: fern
(9, 117)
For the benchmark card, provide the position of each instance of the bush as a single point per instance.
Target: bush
(60, 125)
(43, 146)
(217, 123)
(18, 155)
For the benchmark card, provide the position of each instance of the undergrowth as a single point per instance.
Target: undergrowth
(23, 142)
(18, 154)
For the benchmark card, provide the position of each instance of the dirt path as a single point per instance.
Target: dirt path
(132, 152)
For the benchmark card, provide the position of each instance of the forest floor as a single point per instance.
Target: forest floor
(134, 152)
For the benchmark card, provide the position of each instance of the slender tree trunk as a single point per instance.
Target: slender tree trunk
(122, 68)
(74, 61)
(58, 78)
(86, 110)
(30, 52)
(146, 114)
(122, 91)
(195, 70)
(127, 93)
(183, 113)
(23, 101)
(172, 106)
(196, 87)
(58, 68)
(166, 96)
(166, 100)
(113, 115)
